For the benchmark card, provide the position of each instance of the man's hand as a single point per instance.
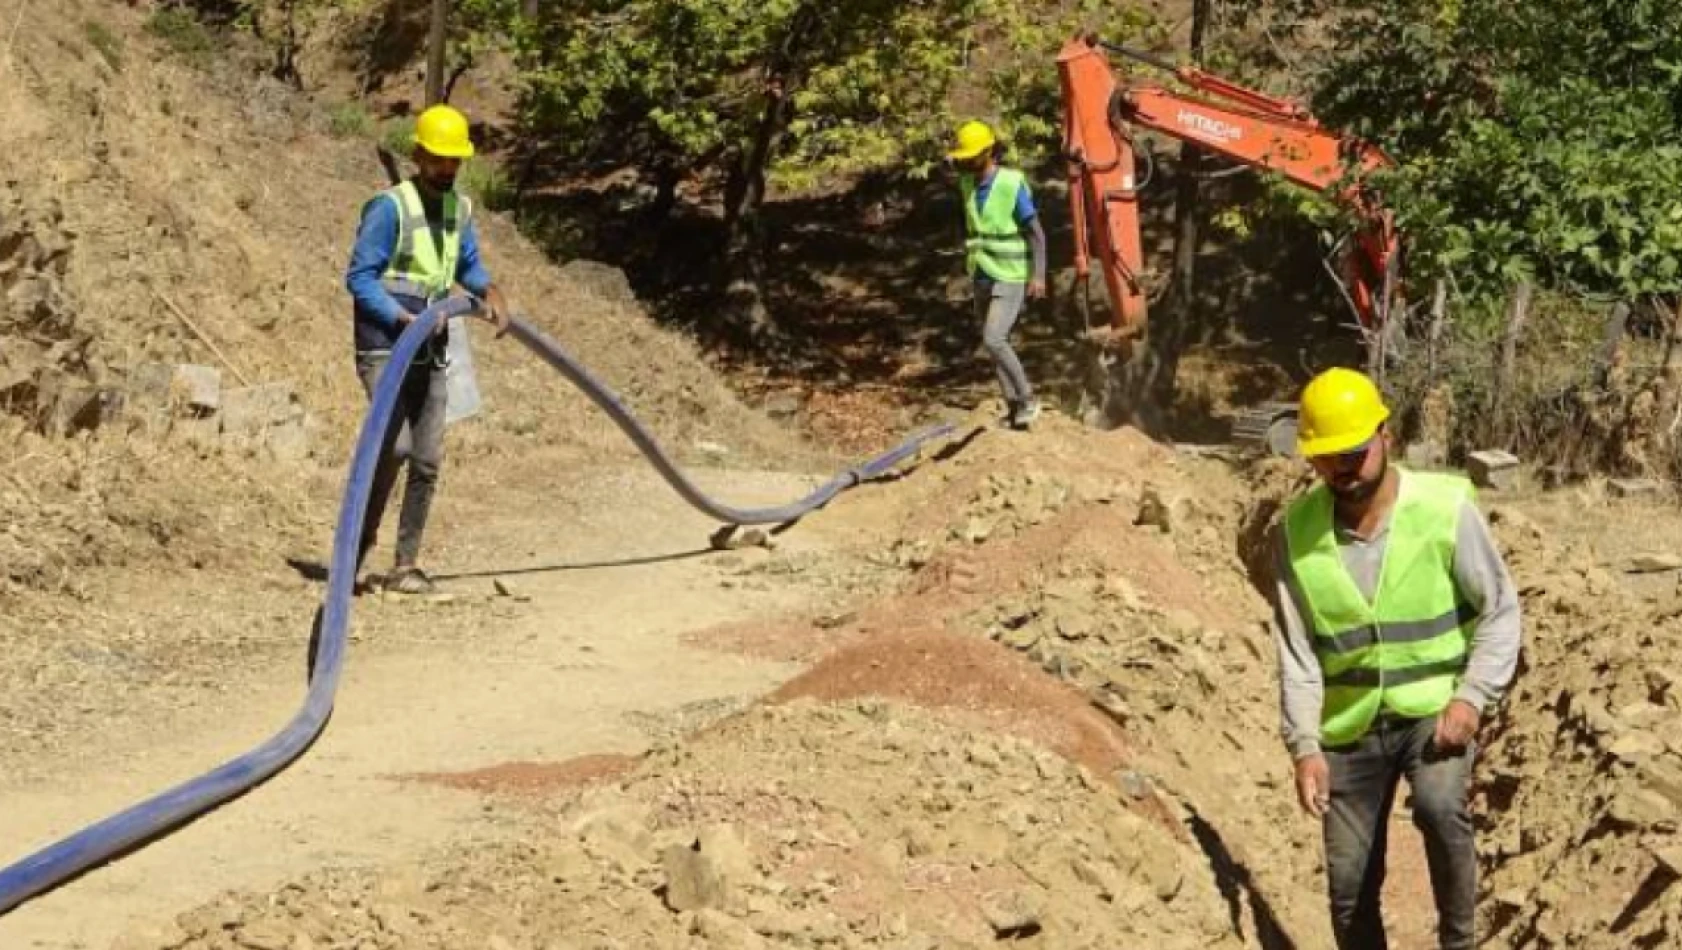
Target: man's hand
(1456, 725)
(438, 329)
(1314, 784)
(1036, 289)
(497, 311)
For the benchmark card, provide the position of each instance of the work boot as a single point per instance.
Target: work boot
(410, 580)
(1025, 415)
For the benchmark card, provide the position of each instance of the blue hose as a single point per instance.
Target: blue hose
(98, 843)
(550, 352)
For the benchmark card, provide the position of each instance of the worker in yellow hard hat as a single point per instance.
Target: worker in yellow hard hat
(1398, 628)
(416, 242)
(1005, 256)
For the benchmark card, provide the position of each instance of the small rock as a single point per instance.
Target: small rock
(1640, 808)
(1153, 511)
(1669, 857)
(693, 880)
(782, 406)
(983, 755)
(723, 845)
(712, 448)
(1024, 637)
(1135, 785)
(196, 387)
(735, 538)
(262, 935)
(1493, 468)
(1011, 914)
(507, 589)
(1654, 563)
(725, 932)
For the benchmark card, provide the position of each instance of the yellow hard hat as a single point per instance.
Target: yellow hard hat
(973, 139)
(1341, 410)
(442, 131)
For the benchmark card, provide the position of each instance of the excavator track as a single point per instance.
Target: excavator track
(1270, 425)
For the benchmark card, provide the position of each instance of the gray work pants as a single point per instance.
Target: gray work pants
(415, 436)
(997, 305)
(1364, 778)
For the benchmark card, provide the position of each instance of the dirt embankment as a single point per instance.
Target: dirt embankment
(154, 214)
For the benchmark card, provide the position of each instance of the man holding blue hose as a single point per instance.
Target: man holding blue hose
(415, 243)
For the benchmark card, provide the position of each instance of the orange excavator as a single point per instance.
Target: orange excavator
(1248, 127)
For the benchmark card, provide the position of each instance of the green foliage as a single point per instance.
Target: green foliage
(107, 44)
(683, 85)
(184, 34)
(1539, 140)
(398, 136)
(487, 184)
(349, 120)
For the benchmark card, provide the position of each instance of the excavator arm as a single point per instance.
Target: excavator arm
(1245, 126)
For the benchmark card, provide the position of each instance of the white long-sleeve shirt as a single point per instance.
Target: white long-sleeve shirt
(1482, 579)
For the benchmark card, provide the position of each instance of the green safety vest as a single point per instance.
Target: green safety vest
(422, 266)
(996, 246)
(1406, 650)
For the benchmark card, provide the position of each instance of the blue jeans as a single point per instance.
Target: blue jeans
(998, 304)
(1364, 778)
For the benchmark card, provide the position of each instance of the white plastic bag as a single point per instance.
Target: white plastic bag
(460, 382)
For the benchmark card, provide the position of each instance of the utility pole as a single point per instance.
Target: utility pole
(435, 52)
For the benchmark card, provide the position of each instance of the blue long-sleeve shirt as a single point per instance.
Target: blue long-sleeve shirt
(377, 310)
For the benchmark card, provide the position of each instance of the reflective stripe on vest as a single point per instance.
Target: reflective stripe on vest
(1406, 650)
(417, 269)
(996, 246)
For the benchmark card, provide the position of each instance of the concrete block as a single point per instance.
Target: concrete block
(1632, 487)
(1493, 468)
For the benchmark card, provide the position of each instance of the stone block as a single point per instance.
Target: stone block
(197, 387)
(1632, 487)
(250, 411)
(1493, 468)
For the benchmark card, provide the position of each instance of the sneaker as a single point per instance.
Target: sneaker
(410, 580)
(1011, 410)
(1025, 415)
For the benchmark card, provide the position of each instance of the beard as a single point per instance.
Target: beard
(440, 184)
(1356, 490)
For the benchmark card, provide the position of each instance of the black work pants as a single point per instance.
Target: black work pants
(1364, 778)
(415, 436)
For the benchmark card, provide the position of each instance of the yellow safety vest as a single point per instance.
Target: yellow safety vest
(1406, 650)
(417, 268)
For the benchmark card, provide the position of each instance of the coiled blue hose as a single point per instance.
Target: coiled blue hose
(114, 836)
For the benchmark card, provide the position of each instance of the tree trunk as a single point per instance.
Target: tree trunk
(530, 8)
(435, 43)
(1149, 376)
(1508, 364)
(1186, 192)
(286, 57)
(744, 197)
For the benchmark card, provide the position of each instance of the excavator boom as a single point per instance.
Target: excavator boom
(1222, 117)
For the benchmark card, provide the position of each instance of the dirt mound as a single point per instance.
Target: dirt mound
(971, 678)
(1582, 774)
(794, 826)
